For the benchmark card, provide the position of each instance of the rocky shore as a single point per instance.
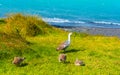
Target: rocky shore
(93, 30)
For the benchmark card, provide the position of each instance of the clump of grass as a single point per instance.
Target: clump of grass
(2, 21)
(26, 25)
(11, 41)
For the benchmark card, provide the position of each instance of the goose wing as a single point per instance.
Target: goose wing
(63, 45)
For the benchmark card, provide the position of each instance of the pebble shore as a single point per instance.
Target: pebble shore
(93, 30)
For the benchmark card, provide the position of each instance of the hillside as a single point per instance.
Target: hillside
(30, 37)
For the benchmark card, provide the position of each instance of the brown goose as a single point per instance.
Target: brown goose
(65, 44)
(62, 57)
(18, 60)
(79, 63)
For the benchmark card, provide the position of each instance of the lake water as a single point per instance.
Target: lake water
(88, 13)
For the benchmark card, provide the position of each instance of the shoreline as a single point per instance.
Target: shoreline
(92, 30)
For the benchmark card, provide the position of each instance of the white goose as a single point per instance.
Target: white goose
(65, 44)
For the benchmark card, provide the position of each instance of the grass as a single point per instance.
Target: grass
(101, 54)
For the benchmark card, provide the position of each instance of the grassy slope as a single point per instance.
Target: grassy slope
(101, 55)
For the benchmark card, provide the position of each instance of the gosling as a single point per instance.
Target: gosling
(62, 57)
(79, 63)
(18, 60)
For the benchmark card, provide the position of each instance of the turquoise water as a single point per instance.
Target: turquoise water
(92, 13)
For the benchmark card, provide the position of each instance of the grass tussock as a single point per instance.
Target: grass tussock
(101, 54)
(26, 25)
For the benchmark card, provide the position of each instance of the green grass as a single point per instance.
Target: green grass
(101, 54)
